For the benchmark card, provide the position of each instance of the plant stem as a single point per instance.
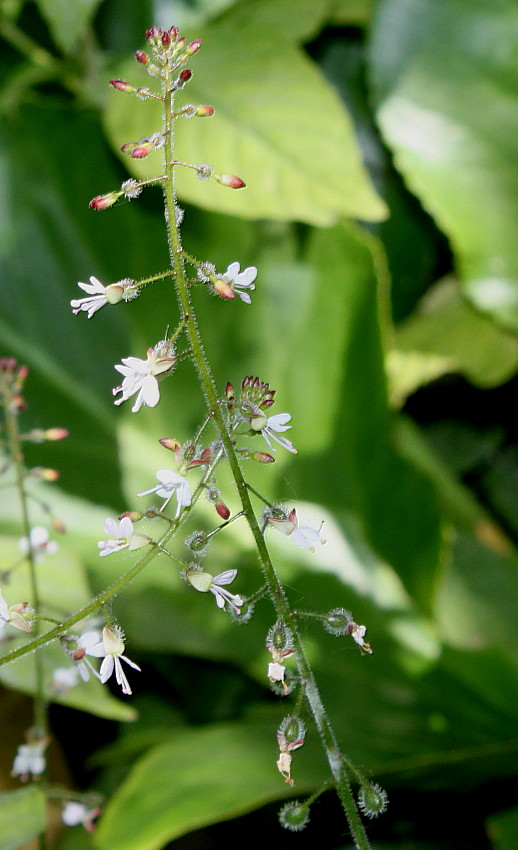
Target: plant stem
(337, 762)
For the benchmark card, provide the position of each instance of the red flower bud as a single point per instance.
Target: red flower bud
(185, 75)
(222, 510)
(223, 289)
(230, 180)
(121, 85)
(204, 111)
(262, 457)
(56, 434)
(141, 57)
(193, 47)
(102, 202)
(141, 150)
(169, 443)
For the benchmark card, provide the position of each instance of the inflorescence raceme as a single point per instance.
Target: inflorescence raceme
(228, 435)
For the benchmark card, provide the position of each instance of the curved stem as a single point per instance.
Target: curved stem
(337, 762)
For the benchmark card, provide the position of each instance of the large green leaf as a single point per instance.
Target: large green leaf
(447, 331)
(68, 19)
(22, 816)
(449, 111)
(199, 777)
(278, 124)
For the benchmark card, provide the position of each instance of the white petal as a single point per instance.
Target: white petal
(107, 668)
(278, 422)
(225, 578)
(244, 297)
(111, 527)
(247, 276)
(126, 528)
(233, 270)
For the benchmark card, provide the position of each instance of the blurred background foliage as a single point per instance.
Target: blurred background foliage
(379, 144)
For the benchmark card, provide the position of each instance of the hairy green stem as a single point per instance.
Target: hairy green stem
(337, 762)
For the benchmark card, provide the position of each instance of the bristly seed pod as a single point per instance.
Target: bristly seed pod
(372, 800)
(294, 816)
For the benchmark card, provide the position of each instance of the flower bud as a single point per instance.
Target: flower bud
(222, 510)
(141, 57)
(170, 443)
(121, 85)
(262, 457)
(20, 616)
(223, 289)
(45, 474)
(53, 434)
(58, 525)
(142, 150)
(193, 47)
(294, 816)
(22, 374)
(184, 77)
(230, 180)
(166, 39)
(204, 111)
(134, 516)
(102, 202)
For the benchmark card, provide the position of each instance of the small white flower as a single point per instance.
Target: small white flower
(302, 535)
(171, 483)
(240, 281)
(113, 643)
(29, 760)
(19, 615)
(124, 534)
(358, 633)
(39, 542)
(64, 678)
(270, 427)
(140, 376)
(75, 813)
(205, 582)
(98, 296)
(276, 672)
(89, 643)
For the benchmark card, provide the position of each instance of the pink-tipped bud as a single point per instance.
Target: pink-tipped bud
(223, 289)
(179, 44)
(169, 443)
(174, 32)
(141, 57)
(58, 525)
(22, 374)
(204, 111)
(45, 474)
(229, 391)
(56, 434)
(121, 85)
(184, 76)
(142, 150)
(230, 180)
(166, 39)
(193, 47)
(8, 364)
(102, 202)
(134, 516)
(222, 510)
(262, 457)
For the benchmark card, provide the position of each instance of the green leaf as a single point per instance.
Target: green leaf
(358, 468)
(22, 816)
(199, 777)
(502, 828)
(447, 331)
(278, 124)
(68, 19)
(448, 109)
